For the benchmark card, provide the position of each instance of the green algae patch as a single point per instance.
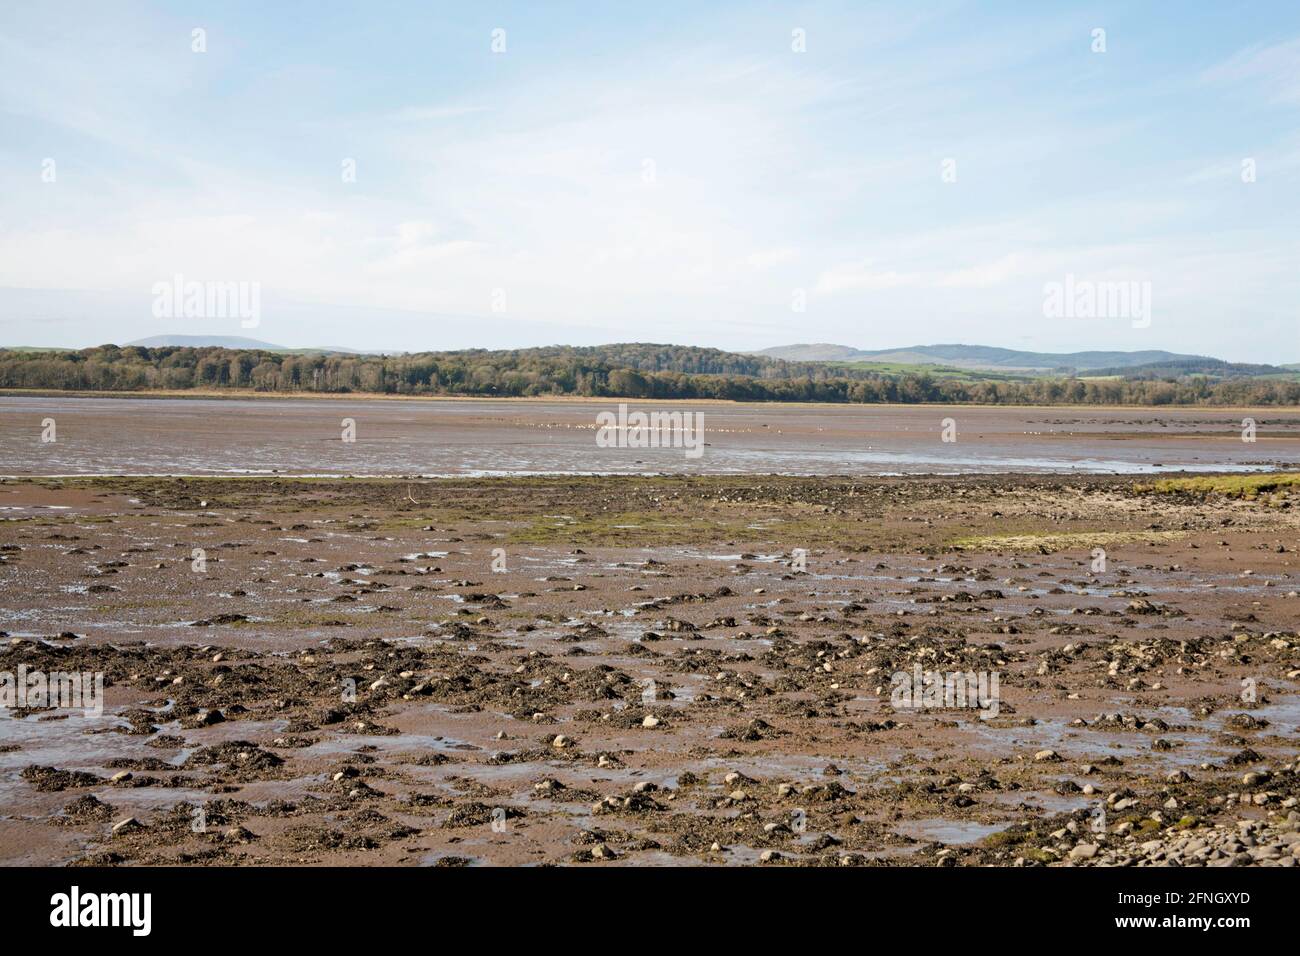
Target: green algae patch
(1061, 541)
(1230, 486)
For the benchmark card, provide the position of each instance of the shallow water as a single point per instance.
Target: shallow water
(473, 437)
(940, 830)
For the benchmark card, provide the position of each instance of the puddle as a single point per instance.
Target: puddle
(940, 830)
(1049, 803)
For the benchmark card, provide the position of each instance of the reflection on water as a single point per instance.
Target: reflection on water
(940, 830)
(485, 438)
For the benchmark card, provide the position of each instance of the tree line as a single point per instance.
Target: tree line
(621, 371)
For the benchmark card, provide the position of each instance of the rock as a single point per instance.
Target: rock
(1084, 851)
(560, 742)
(650, 721)
(1047, 755)
(770, 856)
(120, 776)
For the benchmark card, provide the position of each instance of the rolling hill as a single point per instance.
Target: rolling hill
(978, 357)
(235, 342)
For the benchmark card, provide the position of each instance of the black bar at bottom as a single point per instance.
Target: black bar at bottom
(341, 906)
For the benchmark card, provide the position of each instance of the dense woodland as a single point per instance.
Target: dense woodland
(630, 371)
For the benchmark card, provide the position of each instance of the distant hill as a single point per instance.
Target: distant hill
(978, 357)
(206, 341)
(1209, 367)
(819, 352)
(232, 342)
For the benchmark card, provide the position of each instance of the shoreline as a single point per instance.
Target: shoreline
(1282, 468)
(253, 394)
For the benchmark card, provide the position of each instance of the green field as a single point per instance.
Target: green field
(934, 371)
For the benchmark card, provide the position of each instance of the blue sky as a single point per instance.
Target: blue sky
(673, 172)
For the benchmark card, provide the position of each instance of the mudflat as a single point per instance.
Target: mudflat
(653, 670)
(144, 436)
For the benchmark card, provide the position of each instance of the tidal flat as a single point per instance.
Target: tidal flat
(653, 670)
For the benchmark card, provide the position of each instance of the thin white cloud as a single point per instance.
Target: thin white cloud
(986, 274)
(418, 114)
(1274, 69)
(860, 275)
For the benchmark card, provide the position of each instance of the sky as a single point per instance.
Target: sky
(422, 176)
